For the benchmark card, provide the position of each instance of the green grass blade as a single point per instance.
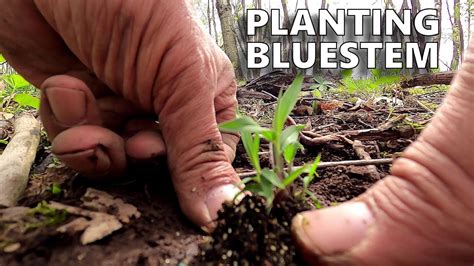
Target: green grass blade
(286, 103)
(241, 124)
(295, 174)
(271, 177)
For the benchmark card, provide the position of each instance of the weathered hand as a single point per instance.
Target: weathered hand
(423, 214)
(108, 69)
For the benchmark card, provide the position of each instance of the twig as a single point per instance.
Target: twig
(269, 94)
(359, 149)
(323, 165)
(425, 107)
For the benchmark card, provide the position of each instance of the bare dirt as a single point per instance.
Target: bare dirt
(162, 235)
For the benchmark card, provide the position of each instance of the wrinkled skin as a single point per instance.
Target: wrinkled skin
(108, 69)
(122, 63)
(423, 213)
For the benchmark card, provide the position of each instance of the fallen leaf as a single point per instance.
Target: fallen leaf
(99, 226)
(77, 225)
(104, 202)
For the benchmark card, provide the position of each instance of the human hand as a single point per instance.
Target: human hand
(422, 214)
(107, 71)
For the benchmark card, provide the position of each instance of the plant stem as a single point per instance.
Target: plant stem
(277, 157)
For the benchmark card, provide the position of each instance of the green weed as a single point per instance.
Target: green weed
(18, 94)
(49, 216)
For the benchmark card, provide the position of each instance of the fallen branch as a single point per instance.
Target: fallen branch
(243, 93)
(324, 165)
(425, 107)
(17, 158)
(385, 131)
(359, 149)
(428, 79)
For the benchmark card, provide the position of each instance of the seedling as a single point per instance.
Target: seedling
(284, 145)
(48, 216)
(56, 189)
(319, 88)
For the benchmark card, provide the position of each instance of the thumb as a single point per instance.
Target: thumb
(423, 213)
(202, 174)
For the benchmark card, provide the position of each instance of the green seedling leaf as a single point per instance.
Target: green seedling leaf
(291, 135)
(286, 103)
(241, 124)
(51, 216)
(312, 171)
(16, 81)
(264, 189)
(315, 200)
(289, 142)
(295, 174)
(56, 189)
(317, 93)
(290, 152)
(4, 142)
(2, 59)
(271, 177)
(252, 146)
(268, 135)
(24, 99)
(245, 181)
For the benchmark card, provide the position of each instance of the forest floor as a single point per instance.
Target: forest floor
(385, 123)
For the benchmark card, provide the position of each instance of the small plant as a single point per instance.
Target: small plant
(320, 88)
(18, 90)
(56, 189)
(321, 85)
(284, 145)
(48, 215)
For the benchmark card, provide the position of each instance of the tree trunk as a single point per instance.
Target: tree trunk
(209, 22)
(318, 40)
(454, 35)
(286, 40)
(457, 20)
(469, 13)
(439, 9)
(304, 38)
(213, 17)
(228, 35)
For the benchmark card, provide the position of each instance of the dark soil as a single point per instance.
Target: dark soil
(163, 236)
(248, 235)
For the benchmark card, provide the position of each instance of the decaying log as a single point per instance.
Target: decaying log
(428, 79)
(17, 158)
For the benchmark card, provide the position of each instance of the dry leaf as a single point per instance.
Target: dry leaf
(99, 226)
(104, 202)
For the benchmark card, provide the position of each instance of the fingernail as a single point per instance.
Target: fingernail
(92, 163)
(68, 105)
(332, 230)
(218, 196)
